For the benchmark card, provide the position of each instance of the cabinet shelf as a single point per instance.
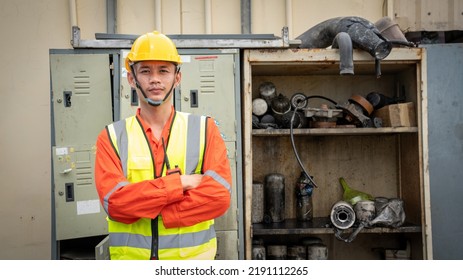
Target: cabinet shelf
(334, 131)
(321, 225)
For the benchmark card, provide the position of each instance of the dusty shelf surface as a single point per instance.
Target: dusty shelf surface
(321, 225)
(334, 131)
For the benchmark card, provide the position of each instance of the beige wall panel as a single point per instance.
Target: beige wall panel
(271, 16)
(226, 16)
(193, 19)
(267, 16)
(171, 21)
(29, 29)
(307, 14)
(91, 17)
(135, 16)
(429, 15)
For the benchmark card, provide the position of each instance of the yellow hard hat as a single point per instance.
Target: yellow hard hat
(152, 46)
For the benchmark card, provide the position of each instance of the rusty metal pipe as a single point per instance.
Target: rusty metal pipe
(343, 41)
(364, 35)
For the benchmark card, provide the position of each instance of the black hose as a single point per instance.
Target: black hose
(292, 133)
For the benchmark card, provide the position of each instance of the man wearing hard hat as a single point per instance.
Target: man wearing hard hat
(162, 175)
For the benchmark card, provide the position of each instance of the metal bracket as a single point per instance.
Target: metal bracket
(118, 41)
(77, 43)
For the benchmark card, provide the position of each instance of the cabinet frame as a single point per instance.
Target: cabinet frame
(326, 62)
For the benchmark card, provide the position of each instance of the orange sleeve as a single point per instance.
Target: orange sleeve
(211, 198)
(125, 202)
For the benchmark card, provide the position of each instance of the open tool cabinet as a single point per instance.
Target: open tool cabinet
(389, 162)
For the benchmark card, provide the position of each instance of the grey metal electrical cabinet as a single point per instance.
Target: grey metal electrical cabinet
(210, 85)
(89, 90)
(127, 96)
(81, 107)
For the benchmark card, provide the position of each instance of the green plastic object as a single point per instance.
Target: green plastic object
(353, 196)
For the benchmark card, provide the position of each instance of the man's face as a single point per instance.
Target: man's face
(155, 78)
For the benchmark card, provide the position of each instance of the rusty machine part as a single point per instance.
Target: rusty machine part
(258, 252)
(365, 211)
(317, 252)
(323, 117)
(363, 103)
(274, 195)
(297, 252)
(257, 211)
(343, 217)
(277, 252)
(259, 106)
(280, 105)
(267, 91)
(379, 100)
(357, 111)
(258, 249)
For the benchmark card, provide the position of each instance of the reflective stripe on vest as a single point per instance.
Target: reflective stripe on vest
(185, 148)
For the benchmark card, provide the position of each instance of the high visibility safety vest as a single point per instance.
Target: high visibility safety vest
(148, 238)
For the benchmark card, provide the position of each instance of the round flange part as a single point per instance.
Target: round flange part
(363, 103)
(342, 215)
(298, 101)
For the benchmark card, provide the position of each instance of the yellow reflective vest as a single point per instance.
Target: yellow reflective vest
(148, 238)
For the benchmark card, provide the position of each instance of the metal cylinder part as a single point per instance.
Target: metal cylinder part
(342, 215)
(274, 193)
(267, 91)
(280, 105)
(259, 106)
(297, 252)
(277, 252)
(365, 210)
(317, 252)
(258, 252)
(257, 210)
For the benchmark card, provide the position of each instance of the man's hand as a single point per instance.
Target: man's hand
(190, 181)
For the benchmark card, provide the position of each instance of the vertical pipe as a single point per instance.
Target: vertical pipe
(111, 16)
(73, 12)
(181, 16)
(245, 16)
(208, 16)
(158, 15)
(289, 17)
(389, 9)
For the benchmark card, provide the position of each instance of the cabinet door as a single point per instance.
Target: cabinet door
(209, 87)
(128, 97)
(81, 107)
(445, 133)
